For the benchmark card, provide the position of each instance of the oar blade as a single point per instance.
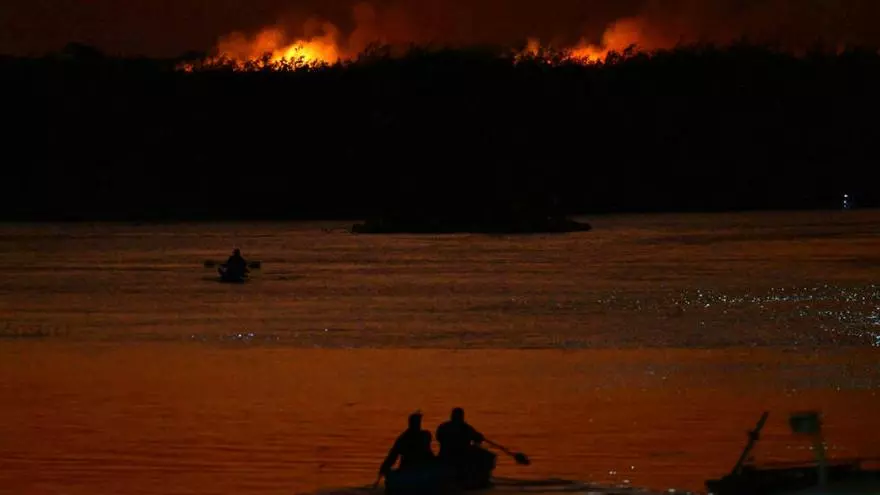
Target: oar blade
(210, 264)
(255, 265)
(521, 459)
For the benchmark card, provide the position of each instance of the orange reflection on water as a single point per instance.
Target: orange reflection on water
(196, 418)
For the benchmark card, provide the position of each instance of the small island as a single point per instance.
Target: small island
(494, 221)
(547, 225)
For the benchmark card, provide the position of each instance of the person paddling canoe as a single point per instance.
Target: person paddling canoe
(462, 464)
(236, 266)
(418, 472)
(460, 449)
(413, 447)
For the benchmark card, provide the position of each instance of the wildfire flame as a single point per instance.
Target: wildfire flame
(323, 43)
(618, 37)
(652, 25)
(318, 42)
(272, 43)
(273, 47)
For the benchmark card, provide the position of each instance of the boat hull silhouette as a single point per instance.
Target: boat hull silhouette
(502, 486)
(229, 278)
(846, 476)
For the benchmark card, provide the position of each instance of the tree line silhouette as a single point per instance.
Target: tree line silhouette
(695, 128)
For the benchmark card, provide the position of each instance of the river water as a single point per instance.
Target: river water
(641, 351)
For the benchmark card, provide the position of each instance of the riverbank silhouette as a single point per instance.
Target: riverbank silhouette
(466, 132)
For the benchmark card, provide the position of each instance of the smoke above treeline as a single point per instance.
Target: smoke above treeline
(587, 30)
(339, 29)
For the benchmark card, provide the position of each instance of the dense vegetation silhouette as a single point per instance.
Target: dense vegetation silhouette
(458, 130)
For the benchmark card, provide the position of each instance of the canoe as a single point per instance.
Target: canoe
(502, 486)
(437, 478)
(228, 278)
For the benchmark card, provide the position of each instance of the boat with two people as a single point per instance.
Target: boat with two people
(422, 473)
(462, 463)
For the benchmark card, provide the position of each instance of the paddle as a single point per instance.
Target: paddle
(754, 436)
(519, 457)
(256, 265)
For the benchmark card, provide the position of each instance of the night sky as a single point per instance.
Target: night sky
(171, 27)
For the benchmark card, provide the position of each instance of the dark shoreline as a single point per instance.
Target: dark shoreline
(692, 129)
(346, 223)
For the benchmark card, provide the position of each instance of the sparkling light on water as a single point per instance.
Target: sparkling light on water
(850, 312)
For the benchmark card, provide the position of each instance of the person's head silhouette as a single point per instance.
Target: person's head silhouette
(415, 421)
(457, 415)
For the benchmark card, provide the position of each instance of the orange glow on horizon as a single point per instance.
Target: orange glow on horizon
(273, 44)
(322, 42)
(618, 37)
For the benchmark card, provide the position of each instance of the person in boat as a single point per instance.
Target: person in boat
(412, 447)
(236, 265)
(460, 449)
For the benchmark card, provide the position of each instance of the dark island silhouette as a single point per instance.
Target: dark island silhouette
(504, 216)
(532, 224)
(440, 139)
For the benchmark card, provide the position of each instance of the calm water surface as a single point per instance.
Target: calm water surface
(640, 351)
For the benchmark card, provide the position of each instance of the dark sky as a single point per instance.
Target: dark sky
(170, 27)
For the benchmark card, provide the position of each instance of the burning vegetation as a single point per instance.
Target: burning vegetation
(795, 27)
(689, 127)
(324, 44)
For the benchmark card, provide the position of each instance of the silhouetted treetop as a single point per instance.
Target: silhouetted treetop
(437, 129)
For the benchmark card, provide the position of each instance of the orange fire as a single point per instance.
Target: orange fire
(318, 42)
(275, 46)
(323, 43)
(657, 25)
(618, 37)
